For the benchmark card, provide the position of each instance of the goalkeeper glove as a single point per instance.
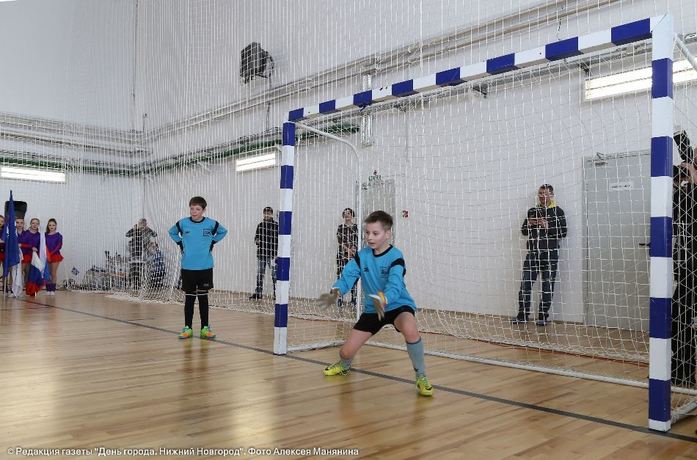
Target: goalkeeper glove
(379, 302)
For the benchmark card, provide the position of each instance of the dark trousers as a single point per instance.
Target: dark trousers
(262, 262)
(546, 263)
(683, 340)
(135, 274)
(340, 264)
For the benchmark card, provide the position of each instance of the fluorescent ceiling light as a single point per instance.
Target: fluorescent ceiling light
(256, 162)
(11, 172)
(633, 81)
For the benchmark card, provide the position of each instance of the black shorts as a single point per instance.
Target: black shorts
(369, 322)
(197, 281)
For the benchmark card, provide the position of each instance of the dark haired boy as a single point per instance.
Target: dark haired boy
(196, 236)
(266, 239)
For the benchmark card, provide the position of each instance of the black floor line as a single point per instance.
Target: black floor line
(484, 397)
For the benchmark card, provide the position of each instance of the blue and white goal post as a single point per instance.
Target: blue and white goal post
(659, 32)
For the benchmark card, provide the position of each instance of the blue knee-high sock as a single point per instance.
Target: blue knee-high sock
(416, 354)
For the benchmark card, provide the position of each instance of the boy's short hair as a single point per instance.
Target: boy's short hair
(547, 187)
(198, 200)
(380, 216)
(268, 209)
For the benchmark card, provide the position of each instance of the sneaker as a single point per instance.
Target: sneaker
(255, 297)
(541, 322)
(206, 333)
(186, 333)
(336, 369)
(520, 319)
(424, 386)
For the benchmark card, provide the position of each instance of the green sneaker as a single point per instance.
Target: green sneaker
(424, 386)
(336, 369)
(186, 333)
(206, 333)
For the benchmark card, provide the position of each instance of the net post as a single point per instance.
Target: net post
(661, 272)
(285, 218)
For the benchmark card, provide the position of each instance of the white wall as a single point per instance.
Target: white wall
(73, 59)
(191, 50)
(70, 60)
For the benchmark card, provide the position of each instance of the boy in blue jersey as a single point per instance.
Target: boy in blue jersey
(196, 237)
(381, 269)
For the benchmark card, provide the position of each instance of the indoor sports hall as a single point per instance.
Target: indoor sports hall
(415, 229)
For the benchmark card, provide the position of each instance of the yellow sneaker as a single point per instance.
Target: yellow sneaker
(424, 386)
(206, 333)
(186, 333)
(336, 369)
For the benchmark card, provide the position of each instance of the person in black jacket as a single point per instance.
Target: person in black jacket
(140, 236)
(266, 239)
(684, 268)
(347, 237)
(544, 226)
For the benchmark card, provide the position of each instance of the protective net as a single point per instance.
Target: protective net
(152, 102)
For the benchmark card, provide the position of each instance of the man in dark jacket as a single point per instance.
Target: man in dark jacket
(544, 226)
(266, 239)
(140, 236)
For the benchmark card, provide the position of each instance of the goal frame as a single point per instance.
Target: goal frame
(659, 31)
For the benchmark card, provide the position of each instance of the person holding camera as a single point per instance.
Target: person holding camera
(684, 263)
(544, 226)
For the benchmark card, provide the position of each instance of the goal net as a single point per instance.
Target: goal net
(523, 205)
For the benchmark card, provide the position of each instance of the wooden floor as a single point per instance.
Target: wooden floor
(86, 371)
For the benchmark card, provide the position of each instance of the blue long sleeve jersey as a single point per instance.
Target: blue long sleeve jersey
(197, 240)
(384, 272)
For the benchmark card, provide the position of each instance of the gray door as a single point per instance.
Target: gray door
(617, 208)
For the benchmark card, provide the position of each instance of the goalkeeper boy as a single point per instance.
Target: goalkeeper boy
(380, 266)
